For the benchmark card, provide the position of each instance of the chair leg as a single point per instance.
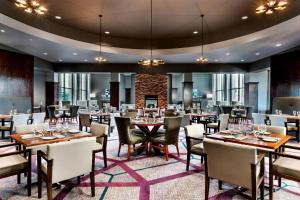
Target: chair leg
(262, 190)
(39, 184)
(177, 150)
(201, 159)
(207, 180)
(119, 149)
(92, 177)
(104, 158)
(19, 178)
(29, 182)
(78, 180)
(254, 194)
(220, 184)
(49, 189)
(279, 181)
(129, 151)
(270, 183)
(188, 158)
(167, 152)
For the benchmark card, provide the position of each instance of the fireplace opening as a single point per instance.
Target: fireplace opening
(151, 101)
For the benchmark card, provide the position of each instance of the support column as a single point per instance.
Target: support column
(187, 90)
(115, 90)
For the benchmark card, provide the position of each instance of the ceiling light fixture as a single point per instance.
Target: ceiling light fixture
(85, 60)
(31, 6)
(244, 17)
(227, 54)
(100, 59)
(58, 17)
(152, 61)
(60, 60)
(278, 45)
(257, 53)
(242, 60)
(45, 53)
(195, 32)
(202, 58)
(270, 6)
(2, 31)
(107, 32)
(74, 53)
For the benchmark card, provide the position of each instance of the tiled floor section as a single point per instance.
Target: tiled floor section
(143, 178)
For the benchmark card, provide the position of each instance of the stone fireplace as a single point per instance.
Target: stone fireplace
(151, 89)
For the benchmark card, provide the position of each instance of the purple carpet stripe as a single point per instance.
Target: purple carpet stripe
(111, 184)
(227, 195)
(168, 178)
(292, 192)
(144, 192)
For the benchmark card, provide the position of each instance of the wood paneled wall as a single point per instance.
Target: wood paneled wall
(16, 79)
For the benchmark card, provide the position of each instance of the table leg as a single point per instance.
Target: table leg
(3, 132)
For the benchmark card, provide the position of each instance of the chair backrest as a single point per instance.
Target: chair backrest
(186, 120)
(51, 111)
(123, 126)
(99, 130)
(172, 125)
(194, 130)
(74, 110)
(230, 162)
(85, 119)
(66, 103)
(274, 129)
(258, 118)
(72, 158)
(23, 129)
(170, 114)
(129, 114)
(277, 120)
(224, 119)
(20, 119)
(39, 117)
(82, 104)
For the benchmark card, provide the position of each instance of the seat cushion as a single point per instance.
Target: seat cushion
(137, 131)
(197, 148)
(12, 163)
(287, 166)
(158, 139)
(135, 139)
(4, 128)
(292, 128)
(212, 125)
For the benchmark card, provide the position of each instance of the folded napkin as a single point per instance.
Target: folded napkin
(28, 136)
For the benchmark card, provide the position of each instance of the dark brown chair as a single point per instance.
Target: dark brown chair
(170, 114)
(73, 113)
(127, 135)
(172, 125)
(84, 121)
(15, 163)
(52, 113)
(7, 126)
(284, 166)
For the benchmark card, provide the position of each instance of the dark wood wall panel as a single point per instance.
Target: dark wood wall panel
(16, 77)
(114, 94)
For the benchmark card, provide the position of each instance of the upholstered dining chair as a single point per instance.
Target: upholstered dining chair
(194, 141)
(20, 119)
(84, 121)
(38, 117)
(273, 129)
(170, 114)
(172, 128)
(66, 160)
(15, 163)
(220, 125)
(73, 113)
(283, 165)
(7, 127)
(233, 163)
(101, 132)
(52, 113)
(127, 135)
(258, 118)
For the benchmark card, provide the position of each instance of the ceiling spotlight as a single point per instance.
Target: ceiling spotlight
(2, 31)
(257, 53)
(31, 6)
(278, 45)
(227, 54)
(216, 60)
(74, 53)
(270, 6)
(242, 60)
(30, 39)
(58, 17)
(195, 32)
(244, 17)
(107, 32)
(60, 60)
(85, 60)
(45, 53)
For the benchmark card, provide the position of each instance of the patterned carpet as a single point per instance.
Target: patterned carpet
(144, 177)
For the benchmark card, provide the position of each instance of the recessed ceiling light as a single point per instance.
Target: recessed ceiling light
(45, 53)
(85, 60)
(278, 45)
(242, 60)
(245, 17)
(58, 17)
(60, 60)
(2, 31)
(107, 32)
(30, 39)
(257, 53)
(216, 60)
(195, 32)
(74, 53)
(227, 54)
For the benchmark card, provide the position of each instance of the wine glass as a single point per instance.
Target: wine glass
(294, 112)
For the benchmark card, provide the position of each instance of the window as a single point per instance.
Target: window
(65, 87)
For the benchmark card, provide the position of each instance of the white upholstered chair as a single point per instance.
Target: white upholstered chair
(66, 160)
(194, 141)
(258, 118)
(273, 129)
(101, 133)
(277, 120)
(221, 124)
(233, 163)
(38, 117)
(20, 119)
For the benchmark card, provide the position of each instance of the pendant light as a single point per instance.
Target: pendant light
(202, 58)
(100, 59)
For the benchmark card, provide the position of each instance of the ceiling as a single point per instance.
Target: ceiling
(173, 20)
(128, 21)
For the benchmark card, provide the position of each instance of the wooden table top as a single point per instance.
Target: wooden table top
(252, 141)
(203, 114)
(146, 123)
(295, 117)
(5, 117)
(99, 114)
(38, 141)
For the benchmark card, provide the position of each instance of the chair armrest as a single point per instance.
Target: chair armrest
(189, 137)
(43, 155)
(260, 158)
(9, 145)
(291, 147)
(285, 155)
(15, 153)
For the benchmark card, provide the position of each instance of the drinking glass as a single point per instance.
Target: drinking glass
(294, 112)
(280, 112)
(276, 112)
(298, 113)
